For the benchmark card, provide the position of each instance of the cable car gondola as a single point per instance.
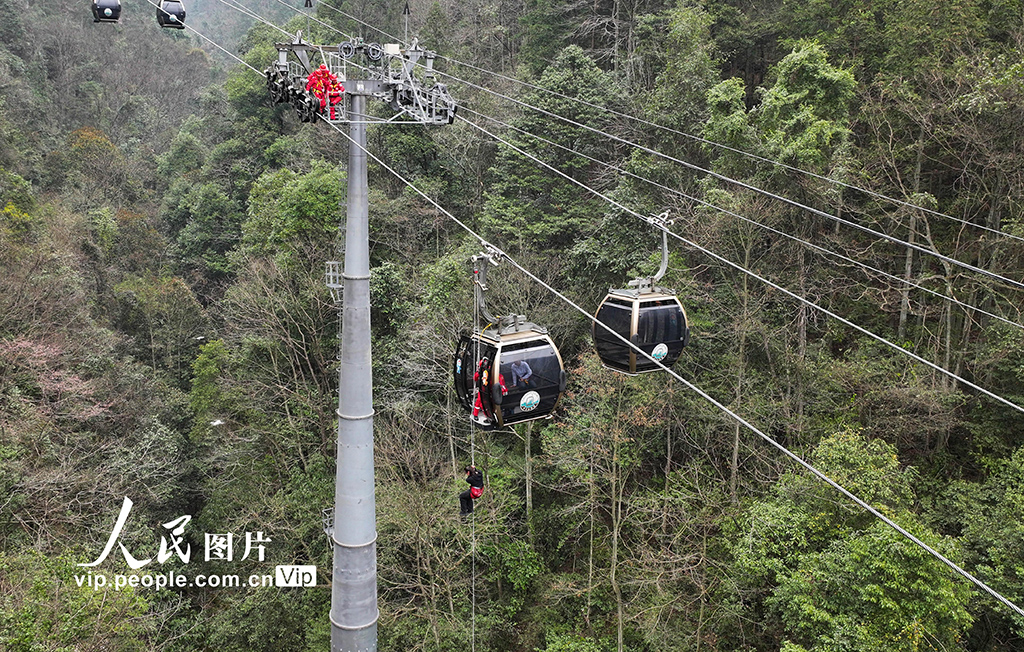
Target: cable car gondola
(106, 11)
(171, 14)
(509, 371)
(649, 317)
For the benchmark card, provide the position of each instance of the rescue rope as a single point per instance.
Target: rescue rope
(472, 461)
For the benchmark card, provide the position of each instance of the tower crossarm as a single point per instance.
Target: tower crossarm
(402, 79)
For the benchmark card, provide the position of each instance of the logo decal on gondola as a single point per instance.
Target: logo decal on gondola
(529, 402)
(659, 352)
(458, 366)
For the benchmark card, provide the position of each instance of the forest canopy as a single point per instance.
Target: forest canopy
(166, 334)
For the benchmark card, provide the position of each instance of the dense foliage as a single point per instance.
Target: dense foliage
(166, 334)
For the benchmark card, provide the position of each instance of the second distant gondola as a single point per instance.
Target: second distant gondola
(650, 318)
(106, 11)
(654, 321)
(171, 14)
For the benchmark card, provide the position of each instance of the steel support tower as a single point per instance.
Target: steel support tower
(354, 582)
(404, 80)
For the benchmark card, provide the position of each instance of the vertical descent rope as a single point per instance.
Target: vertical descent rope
(472, 455)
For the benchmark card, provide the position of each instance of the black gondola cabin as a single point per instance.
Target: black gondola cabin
(488, 370)
(653, 320)
(106, 11)
(171, 14)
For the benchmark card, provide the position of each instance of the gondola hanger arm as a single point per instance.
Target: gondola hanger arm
(663, 222)
(480, 282)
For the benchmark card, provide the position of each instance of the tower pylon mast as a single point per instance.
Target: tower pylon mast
(403, 79)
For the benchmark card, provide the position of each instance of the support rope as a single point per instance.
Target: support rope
(472, 458)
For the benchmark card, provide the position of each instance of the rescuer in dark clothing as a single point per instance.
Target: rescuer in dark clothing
(476, 489)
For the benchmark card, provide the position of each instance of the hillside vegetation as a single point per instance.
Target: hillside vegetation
(166, 334)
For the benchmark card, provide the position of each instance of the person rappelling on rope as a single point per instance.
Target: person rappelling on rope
(476, 489)
(482, 408)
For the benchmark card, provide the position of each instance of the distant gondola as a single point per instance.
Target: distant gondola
(106, 11)
(649, 317)
(490, 364)
(171, 14)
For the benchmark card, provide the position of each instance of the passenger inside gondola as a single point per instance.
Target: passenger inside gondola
(522, 373)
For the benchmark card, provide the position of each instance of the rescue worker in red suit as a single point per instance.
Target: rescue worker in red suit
(317, 84)
(482, 377)
(476, 489)
(325, 87)
(334, 94)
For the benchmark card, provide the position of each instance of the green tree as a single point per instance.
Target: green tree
(990, 515)
(633, 506)
(94, 166)
(184, 159)
(803, 117)
(530, 207)
(43, 605)
(16, 191)
(544, 33)
(819, 571)
(803, 121)
(876, 591)
(212, 230)
(208, 398)
(292, 216)
(166, 321)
